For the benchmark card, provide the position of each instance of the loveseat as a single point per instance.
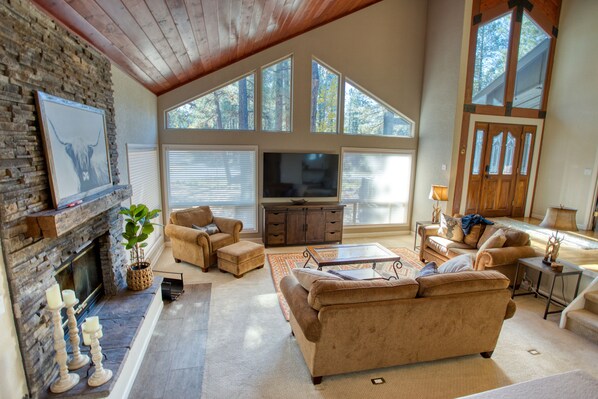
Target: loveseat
(195, 246)
(504, 259)
(343, 326)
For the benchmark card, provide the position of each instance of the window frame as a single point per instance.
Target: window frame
(409, 205)
(261, 95)
(198, 147)
(339, 93)
(205, 93)
(383, 103)
(537, 15)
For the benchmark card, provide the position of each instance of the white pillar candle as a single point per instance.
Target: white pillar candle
(68, 297)
(53, 296)
(93, 323)
(87, 336)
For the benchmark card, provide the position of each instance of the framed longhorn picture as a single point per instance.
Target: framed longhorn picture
(76, 148)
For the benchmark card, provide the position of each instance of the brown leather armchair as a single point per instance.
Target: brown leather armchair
(196, 246)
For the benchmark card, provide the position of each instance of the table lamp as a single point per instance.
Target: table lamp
(558, 218)
(438, 193)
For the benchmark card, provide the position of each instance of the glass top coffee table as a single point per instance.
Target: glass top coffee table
(349, 254)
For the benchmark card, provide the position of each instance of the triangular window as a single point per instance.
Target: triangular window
(324, 99)
(532, 61)
(367, 116)
(228, 108)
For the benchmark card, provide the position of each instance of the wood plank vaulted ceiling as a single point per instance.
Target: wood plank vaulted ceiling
(167, 43)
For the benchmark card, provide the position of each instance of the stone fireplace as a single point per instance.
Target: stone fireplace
(39, 54)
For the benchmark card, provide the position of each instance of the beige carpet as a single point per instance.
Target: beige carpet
(251, 354)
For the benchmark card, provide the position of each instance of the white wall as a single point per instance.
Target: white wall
(439, 101)
(12, 376)
(381, 48)
(135, 110)
(570, 145)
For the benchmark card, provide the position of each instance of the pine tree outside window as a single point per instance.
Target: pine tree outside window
(277, 96)
(324, 99)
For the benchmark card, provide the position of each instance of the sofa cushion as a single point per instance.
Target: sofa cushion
(450, 228)
(443, 245)
(474, 235)
(460, 283)
(496, 240)
(220, 240)
(307, 277)
(457, 264)
(460, 251)
(333, 292)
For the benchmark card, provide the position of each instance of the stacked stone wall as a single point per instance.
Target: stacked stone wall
(37, 53)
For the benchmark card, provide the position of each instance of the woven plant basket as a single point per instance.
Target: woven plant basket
(140, 276)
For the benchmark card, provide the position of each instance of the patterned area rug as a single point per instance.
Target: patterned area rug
(282, 264)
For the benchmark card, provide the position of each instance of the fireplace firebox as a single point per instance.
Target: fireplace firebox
(82, 273)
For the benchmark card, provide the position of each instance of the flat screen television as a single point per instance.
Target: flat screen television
(300, 175)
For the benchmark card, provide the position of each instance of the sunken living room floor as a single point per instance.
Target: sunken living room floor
(227, 338)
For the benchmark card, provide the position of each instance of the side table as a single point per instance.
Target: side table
(569, 269)
(417, 226)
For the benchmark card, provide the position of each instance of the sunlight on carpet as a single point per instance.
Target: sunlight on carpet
(282, 264)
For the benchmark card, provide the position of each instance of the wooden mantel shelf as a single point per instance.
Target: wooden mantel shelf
(55, 222)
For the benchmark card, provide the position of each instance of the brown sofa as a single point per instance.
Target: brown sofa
(343, 326)
(195, 246)
(440, 249)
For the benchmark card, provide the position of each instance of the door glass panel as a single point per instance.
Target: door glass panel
(527, 143)
(507, 168)
(495, 154)
(492, 45)
(477, 154)
(534, 46)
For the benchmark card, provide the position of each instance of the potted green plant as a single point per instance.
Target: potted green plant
(138, 227)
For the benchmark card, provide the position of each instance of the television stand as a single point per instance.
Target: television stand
(309, 223)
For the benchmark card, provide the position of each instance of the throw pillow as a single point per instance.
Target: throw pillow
(209, 229)
(459, 263)
(450, 228)
(496, 240)
(428, 269)
(473, 237)
(307, 277)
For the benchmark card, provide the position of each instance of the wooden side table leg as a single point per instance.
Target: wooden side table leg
(549, 296)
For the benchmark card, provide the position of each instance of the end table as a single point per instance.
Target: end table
(569, 269)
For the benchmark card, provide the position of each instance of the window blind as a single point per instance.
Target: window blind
(223, 179)
(144, 178)
(375, 187)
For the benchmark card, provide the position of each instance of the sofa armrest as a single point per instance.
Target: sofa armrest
(229, 226)
(494, 257)
(187, 234)
(306, 316)
(428, 231)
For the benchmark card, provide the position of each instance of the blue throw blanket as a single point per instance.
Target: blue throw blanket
(468, 221)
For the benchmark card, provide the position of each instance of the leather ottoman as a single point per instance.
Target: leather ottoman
(241, 257)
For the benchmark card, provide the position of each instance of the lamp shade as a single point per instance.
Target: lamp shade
(560, 218)
(439, 193)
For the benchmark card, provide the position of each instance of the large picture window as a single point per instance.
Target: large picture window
(375, 186)
(228, 108)
(223, 178)
(277, 96)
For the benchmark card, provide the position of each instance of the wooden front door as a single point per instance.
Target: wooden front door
(499, 175)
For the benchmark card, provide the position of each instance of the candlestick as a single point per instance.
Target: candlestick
(69, 298)
(86, 337)
(65, 380)
(78, 360)
(93, 323)
(100, 375)
(53, 297)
